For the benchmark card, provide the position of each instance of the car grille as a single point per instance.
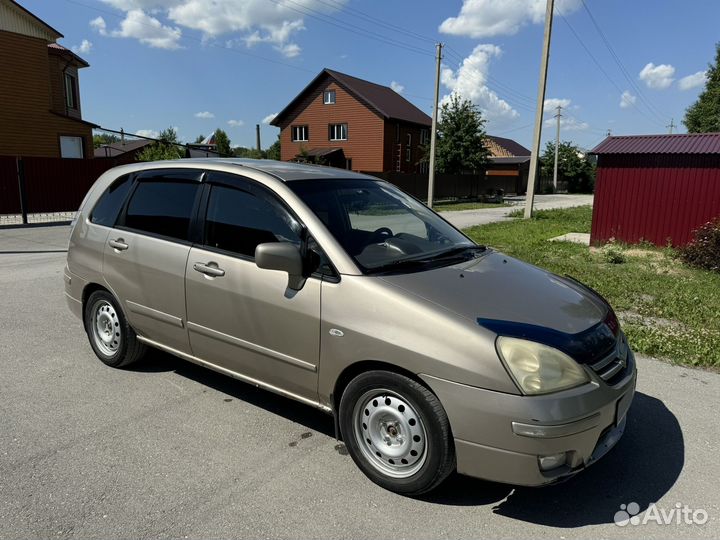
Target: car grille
(612, 367)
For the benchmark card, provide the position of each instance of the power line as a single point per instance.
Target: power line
(334, 21)
(597, 63)
(376, 21)
(649, 105)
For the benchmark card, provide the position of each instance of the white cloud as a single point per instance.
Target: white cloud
(152, 133)
(397, 87)
(485, 18)
(468, 81)
(98, 24)
(551, 104)
(627, 99)
(567, 123)
(235, 123)
(269, 118)
(204, 114)
(84, 48)
(693, 81)
(258, 21)
(146, 29)
(659, 77)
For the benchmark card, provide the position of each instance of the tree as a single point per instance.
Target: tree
(573, 167)
(199, 139)
(243, 152)
(101, 139)
(167, 147)
(461, 137)
(703, 116)
(222, 143)
(274, 151)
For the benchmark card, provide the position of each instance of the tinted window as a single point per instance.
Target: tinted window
(238, 221)
(108, 206)
(162, 208)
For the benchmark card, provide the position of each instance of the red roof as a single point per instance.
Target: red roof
(689, 143)
(386, 101)
(68, 52)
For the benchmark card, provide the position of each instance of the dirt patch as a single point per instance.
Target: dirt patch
(633, 317)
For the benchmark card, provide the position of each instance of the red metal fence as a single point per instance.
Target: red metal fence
(662, 202)
(31, 185)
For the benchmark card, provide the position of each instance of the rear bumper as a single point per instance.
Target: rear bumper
(499, 437)
(73, 292)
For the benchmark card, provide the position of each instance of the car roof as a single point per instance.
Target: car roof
(282, 170)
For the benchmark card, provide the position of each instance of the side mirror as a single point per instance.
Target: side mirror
(282, 256)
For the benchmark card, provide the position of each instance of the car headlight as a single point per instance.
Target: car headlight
(539, 369)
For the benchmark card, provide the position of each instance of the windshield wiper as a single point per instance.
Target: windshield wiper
(449, 254)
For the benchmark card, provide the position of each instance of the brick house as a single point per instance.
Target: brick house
(39, 89)
(355, 124)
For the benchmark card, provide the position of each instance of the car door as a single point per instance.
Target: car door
(146, 253)
(241, 317)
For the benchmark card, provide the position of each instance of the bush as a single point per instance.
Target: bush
(704, 249)
(613, 253)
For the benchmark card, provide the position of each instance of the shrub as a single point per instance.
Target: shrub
(704, 249)
(613, 253)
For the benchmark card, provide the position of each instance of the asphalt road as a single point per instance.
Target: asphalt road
(171, 450)
(467, 218)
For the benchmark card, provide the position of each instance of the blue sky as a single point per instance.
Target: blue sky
(202, 64)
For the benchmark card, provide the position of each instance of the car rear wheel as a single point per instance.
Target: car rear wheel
(397, 432)
(111, 337)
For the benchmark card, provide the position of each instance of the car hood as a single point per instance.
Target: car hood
(495, 287)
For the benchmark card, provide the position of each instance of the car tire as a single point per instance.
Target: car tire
(397, 432)
(111, 337)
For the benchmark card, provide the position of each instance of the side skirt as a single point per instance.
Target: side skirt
(235, 375)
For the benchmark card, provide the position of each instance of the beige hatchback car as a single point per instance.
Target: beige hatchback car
(432, 353)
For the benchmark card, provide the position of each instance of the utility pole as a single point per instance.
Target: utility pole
(557, 147)
(530, 196)
(257, 136)
(671, 125)
(433, 132)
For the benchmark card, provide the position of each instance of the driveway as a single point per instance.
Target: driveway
(467, 218)
(170, 449)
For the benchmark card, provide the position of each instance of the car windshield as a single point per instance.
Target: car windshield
(381, 227)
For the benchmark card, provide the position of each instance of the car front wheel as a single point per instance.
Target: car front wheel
(397, 432)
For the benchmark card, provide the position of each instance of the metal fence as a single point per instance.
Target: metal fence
(38, 189)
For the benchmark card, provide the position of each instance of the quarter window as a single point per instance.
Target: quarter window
(338, 132)
(109, 204)
(238, 220)
(163, 208)
(329, 97)
(300, 133)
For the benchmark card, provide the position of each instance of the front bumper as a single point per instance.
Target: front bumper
(499, 437)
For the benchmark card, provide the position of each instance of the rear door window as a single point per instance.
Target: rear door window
(162, 207)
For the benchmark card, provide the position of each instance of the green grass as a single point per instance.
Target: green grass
(668, 310)
(453, 206)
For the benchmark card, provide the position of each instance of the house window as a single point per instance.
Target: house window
(338, 132)
(300, 133)
(71, 147)
(348, 164)
(408, 148)
(329, 97)
(424, 137)
(71, 98)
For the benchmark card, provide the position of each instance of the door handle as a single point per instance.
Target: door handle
(210, 269)
(118, 244)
